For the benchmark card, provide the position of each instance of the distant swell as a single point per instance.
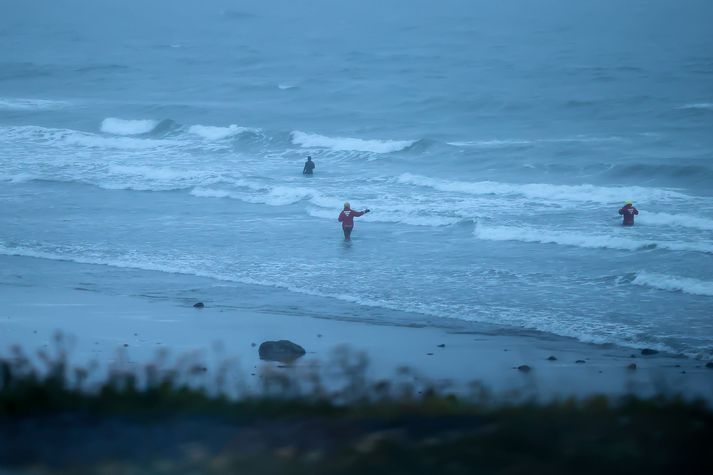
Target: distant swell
(18, 104)
(542, 191)
(583, 240)
(112, 125)
(304, 139)
(674, 283)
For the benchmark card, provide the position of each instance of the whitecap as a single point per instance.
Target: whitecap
(112, 125)
(543, 191)
(210, 132)
(583, 240)
(307, 140)
(674, 283)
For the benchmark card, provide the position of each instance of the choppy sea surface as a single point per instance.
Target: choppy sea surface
(493, 141)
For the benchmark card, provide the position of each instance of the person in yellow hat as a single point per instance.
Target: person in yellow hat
(346, 217)
(628, 212)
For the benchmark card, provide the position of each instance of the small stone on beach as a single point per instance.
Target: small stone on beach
(648, 351)
(429, 354)
(632, 366)
(198, 305)
(552, 358)
(709, 365)
(442, 345)
(580, 361)
(524, 368)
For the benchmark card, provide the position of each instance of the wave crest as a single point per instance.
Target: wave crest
(211, 132)
(114, 126)
(340, 144)
(542, 191)
(588, 241)
(674, 283)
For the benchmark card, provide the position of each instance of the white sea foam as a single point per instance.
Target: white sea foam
(674, 283)
(112, 125)
(682, 220)
(589, 241)
(20, 104)
(544, 191)
(306, 140)
(161, 174)
(35, 134)
(210, 132)
(285, 87)
(269, 195)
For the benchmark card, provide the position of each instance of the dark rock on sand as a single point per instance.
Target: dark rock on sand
(580, 361)
(552, 358)
(709, 365)
(632, 366)
(524, 368)
(283, 351)
(648, 351)
(442, 345)
(429, 354)
(198, 305)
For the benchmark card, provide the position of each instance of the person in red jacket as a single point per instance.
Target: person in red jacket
(346, 217)
(628, 212)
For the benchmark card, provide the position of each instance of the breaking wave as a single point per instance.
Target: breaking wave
(589, 241)
(543, 191)
(112, 125)
(210, 132)
(306, 140)
(674, 283)
(682, 220)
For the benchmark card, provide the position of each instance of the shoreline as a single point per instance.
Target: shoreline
(43, 301)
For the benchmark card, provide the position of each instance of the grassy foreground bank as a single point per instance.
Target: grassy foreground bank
(165, 419)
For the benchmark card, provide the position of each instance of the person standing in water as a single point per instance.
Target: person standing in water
(628, 212)
(309, 166)
(346, 217)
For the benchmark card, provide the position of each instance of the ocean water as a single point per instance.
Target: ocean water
(493, 141)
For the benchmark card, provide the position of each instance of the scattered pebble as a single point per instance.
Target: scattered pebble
(709, 365)
(648, 351)
(429, 354)
(198, 305)
(580, 361)
(552, 358)
(319, 335)
(125, 345)
(524, 368)
(632, 366)
(442, 345)
(683, 372)
(253, 344)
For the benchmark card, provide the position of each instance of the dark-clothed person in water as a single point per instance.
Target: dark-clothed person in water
(309, 167)
(628, 212)
(346, 217)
